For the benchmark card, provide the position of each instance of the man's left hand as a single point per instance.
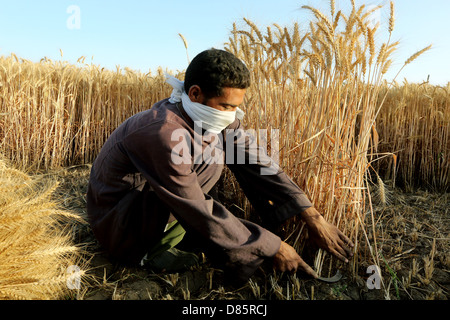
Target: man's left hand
(327, 236)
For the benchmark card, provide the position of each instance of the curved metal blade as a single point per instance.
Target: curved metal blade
(334, 278)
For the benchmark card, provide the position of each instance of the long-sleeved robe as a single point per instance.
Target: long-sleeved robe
(155, 167)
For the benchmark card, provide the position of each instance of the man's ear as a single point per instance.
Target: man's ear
(195, 94)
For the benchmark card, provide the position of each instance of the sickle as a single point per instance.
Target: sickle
(334, 278)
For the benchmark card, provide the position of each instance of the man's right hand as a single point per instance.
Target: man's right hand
(287, 259)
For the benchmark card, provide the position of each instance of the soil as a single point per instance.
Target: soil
(412, 239)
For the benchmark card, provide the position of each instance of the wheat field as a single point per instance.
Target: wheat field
(344, 130)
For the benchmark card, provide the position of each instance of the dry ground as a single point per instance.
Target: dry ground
(412, 233)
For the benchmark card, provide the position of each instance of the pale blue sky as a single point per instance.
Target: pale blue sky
(143, 35)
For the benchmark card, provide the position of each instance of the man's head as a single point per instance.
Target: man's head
(214, 72)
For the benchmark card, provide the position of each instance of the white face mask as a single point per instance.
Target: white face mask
(211, 119)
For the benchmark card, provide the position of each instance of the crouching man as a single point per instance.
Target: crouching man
(149, 187)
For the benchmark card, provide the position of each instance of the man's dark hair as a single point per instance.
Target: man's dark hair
(215, 69)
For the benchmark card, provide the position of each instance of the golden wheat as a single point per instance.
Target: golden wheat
(326, 108)
(35, 248)
(417, 54)
(49, 110)
(414, 124)
(392, 17)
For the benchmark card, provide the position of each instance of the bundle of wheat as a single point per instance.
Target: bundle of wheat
(38, 259)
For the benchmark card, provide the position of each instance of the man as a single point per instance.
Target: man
(150, 182)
